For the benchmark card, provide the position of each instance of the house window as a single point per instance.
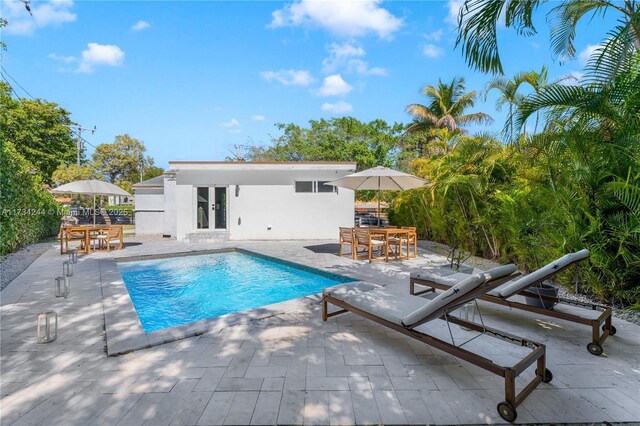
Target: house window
(314, 186)
(304, 186)
(322, 187)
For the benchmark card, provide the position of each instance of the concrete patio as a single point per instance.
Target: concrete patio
(285, 365)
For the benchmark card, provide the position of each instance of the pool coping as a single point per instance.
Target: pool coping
(124, 332)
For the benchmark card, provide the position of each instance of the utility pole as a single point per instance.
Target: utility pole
(141, 165)
(79, 143)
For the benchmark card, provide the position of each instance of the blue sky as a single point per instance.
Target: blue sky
(191, 79)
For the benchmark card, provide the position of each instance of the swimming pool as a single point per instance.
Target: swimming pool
(179, 290)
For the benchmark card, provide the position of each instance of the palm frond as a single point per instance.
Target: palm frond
(477, 29)
(564, 19)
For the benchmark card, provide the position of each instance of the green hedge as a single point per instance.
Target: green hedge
(28, 213)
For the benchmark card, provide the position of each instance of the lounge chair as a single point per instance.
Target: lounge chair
(521, 287)
(347, 238)
(405, 313)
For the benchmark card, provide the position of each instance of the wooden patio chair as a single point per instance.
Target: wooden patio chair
(347, 238)
(520, 287)
(66, 236)
(370, 241)
(411, 241)
(114, 232)
(405, 313)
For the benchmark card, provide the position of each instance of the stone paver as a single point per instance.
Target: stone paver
(283, 365)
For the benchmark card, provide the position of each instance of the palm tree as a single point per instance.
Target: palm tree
(445, 110)
(478, 22)
(508, 95)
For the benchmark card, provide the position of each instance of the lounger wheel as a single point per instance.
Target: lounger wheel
(594, 348)
(548, 376)
(612, 330)
(507, 411)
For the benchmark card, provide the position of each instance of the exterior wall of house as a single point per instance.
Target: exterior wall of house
(261, 201)
(184, 204)
(277, 212)
(149, 210)
(170, 208)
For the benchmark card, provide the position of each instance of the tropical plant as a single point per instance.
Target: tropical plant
(478, 22)
(446, 107)
(597, 133)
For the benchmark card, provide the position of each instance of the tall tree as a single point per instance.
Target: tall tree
(71, 172)
(122, 160)
(39, 131)
(446, 108)
(478, 23)
(339, 139)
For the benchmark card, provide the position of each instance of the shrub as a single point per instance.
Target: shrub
(28, 213)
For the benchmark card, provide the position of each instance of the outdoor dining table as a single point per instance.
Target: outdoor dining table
(399, 233)
(86, 230)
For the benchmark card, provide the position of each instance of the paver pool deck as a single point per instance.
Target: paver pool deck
(284, 366)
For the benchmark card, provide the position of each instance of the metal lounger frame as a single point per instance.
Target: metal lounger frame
(603, 322)
(506, 408)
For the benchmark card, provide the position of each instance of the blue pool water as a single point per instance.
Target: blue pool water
(180, 290)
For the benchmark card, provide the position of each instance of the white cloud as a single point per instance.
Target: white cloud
(140, 25)
(340, 107)
(334, 85)
(359, 66)
(47, 13)
(454, 9)
(434, 36)
(230, 124)
(61, 58)
(339, 55)
(587, 52)
(289, 77)
(100, 54)
(351, 18)
(258, 117)
(432, 51)
(345, 56)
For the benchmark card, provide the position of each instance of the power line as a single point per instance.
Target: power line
(80, 141)
(14, 80)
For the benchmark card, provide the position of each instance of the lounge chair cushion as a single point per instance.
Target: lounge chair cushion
(341, 290)
(385, 304)
(466, 290)
(441, 277)
(541, 274)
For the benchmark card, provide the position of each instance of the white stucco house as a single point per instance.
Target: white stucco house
(220, 201)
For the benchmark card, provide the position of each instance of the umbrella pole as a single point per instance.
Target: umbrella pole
(379, 201)
(94, 209)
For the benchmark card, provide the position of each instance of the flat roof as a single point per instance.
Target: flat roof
(261, 162)
(177, 166)
(154, 182)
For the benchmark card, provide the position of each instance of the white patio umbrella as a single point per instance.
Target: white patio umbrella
(90, 187)
(380, 179)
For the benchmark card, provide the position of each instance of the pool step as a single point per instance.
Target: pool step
(207, 237)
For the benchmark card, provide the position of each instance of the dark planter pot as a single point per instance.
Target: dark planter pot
(544, 290)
